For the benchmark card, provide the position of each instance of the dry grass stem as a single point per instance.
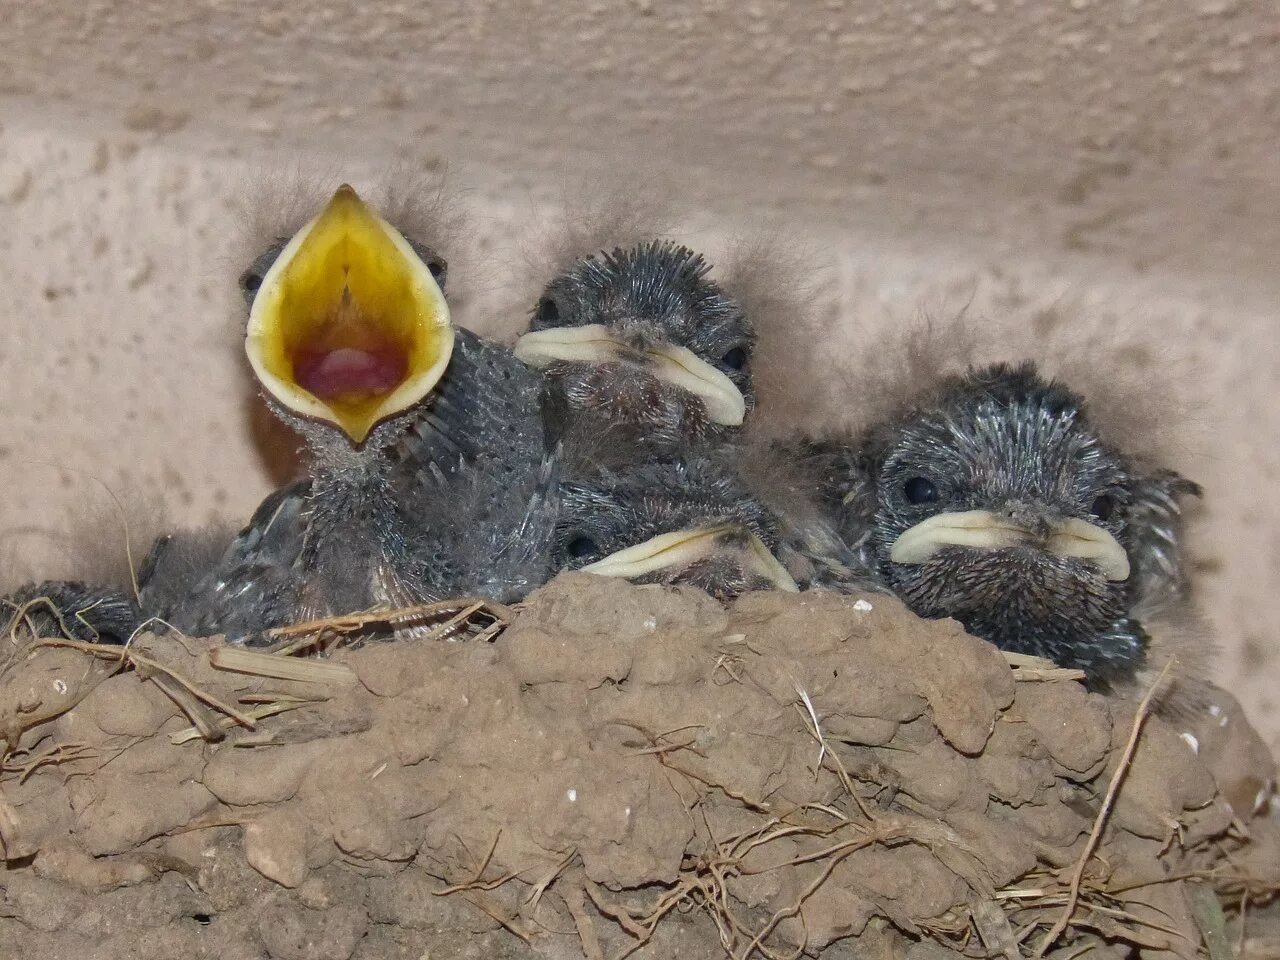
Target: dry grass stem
(1028, 668)
(239, 660)
(1104, 812)
(399, 617)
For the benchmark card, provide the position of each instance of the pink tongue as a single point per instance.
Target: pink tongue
(348, 371)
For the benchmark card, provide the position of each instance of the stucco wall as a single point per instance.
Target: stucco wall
(998, 154)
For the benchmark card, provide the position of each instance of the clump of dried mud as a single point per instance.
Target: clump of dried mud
(624, 771)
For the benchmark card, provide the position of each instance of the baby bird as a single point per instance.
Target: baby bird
(999, 504)
(640, 343)
(686, 521)
(70, 609)
(420, 436)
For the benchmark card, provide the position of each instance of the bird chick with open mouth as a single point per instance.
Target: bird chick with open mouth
(997, 502)
(349, 336)
(678, 522)
(642, 343)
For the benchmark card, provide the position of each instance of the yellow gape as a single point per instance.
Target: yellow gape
(349, 326)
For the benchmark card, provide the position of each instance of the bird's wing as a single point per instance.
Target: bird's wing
(256, 583)
(829, 472)
(477, 476)
(70, 609)
(1155, 529)
(177, 562)
(494, 538)
(485, 413)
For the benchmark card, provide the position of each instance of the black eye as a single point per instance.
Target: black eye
(548, 310)
(580, 548)
(919, 490)
(735, 359)
(1103, 507)
(250, 281)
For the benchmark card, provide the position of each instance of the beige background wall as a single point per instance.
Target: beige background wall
(1120, 156)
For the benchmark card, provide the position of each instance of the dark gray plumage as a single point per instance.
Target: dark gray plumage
(478, 477)
(71, 609)
(452, 495)
(703, 527)
(652, 301)
(997, 503)
(455, 497)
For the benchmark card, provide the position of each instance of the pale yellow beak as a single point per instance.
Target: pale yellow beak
(686, 547)
(349, 326)
(596, 344)
(984, 530)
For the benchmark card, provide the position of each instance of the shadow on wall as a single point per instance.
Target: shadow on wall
(277, 447)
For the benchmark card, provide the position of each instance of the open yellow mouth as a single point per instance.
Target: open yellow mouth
(984, 530)
(349, 326)
(596, 343)
(683, 548)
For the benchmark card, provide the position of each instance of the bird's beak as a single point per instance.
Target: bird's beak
(984, 530)
(349, 326)
(683, 548)
(596, 344)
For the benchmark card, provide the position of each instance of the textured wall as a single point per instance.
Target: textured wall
(1005, 155)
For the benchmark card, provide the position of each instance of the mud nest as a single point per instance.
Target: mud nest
(621, 771)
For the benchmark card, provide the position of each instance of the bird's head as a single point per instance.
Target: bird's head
(673, 523)
(997, 504)
(643, 338)
(348, 325)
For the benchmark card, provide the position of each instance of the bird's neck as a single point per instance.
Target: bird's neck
(351, 500)
(356, 533)
(350, 485)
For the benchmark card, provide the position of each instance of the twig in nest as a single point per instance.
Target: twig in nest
(70, 678)
(815, 731)
(22, 615)
(155, 671)
(1100, 822)
(576, 901)
(1027, 667)
(450, 625)
(794, 907)
(759, 806)
(707, 884)
(513, 924)
(348, 623)
(239, 660)
(141, 664)
(59, 753)
(475, 883)
(226, 723)
(540, 887)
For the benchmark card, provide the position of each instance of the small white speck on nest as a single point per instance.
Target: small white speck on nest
(60, 685)
(1192, 742)
(862, 606)
(627, 812)
(1215, 710)
(651, 624)
(572, 794)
